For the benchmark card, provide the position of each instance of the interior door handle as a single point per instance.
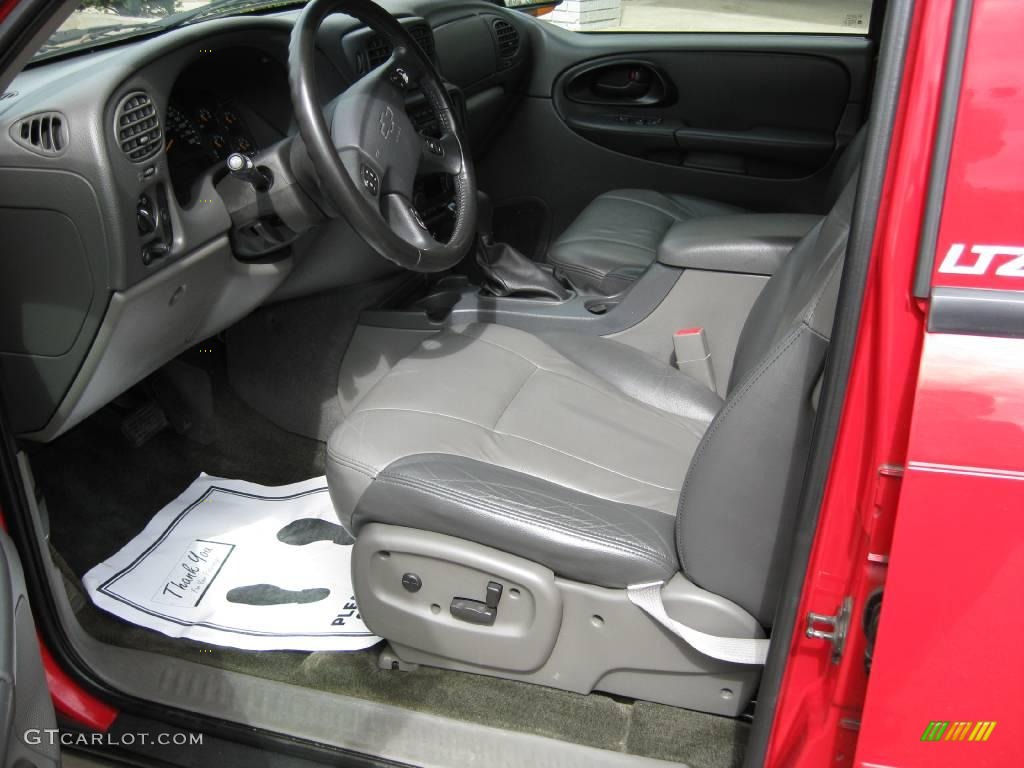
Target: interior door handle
(632, 89)
(622, 82)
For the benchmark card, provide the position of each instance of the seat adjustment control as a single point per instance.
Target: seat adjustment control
(493, 594)
(411, 582)
(473, 611)
(476, 611)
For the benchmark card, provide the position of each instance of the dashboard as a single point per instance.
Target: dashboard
(109, 169)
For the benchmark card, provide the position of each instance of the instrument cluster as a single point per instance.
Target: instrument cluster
(231, 100)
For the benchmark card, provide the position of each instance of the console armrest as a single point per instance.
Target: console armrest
(750, 243)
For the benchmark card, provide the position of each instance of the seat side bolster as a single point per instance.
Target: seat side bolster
(576, 535)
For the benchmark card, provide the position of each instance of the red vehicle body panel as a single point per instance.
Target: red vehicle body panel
(951, 625)
(71, 701)
(6, 6)
(818, 715)
(951, 619)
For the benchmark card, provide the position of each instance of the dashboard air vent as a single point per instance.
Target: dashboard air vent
(378, 49)
(424, 37)
(508, 38)
(45, 133)
(138, 127)
(377, 52)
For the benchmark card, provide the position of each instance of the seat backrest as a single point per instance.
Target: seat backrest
(737, 505)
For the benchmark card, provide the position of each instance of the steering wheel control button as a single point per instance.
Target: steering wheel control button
(370, 180)
(434, 147)
(411, 582)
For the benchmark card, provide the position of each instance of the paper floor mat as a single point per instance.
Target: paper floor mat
(242, 565)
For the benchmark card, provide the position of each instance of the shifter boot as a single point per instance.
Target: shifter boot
(507, 272)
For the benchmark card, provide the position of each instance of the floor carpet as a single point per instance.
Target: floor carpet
(101, 491)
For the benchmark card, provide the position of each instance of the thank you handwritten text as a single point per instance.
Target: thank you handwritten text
(192, 575)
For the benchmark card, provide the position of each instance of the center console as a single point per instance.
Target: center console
(454, 300)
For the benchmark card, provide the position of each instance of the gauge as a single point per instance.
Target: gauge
(180, 130)
(229, 118)
(244, 145)
(219, 144)
(204, 116)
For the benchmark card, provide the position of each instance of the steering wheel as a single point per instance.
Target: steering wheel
(370, 154)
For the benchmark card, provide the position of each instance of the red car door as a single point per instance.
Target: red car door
(924, 503)
(944, 689)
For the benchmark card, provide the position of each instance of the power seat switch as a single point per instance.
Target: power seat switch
(493, 594)
(476, 611)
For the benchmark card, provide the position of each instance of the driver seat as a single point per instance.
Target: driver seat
(541, 475)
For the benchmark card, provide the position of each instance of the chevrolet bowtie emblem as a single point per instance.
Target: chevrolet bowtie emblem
(387, 123)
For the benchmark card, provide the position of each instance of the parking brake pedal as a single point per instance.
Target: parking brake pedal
(476, 611)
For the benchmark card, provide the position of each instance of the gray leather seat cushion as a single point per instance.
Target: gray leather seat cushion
(615, 239)
(507, 398)
(578, 536)
(638, 374)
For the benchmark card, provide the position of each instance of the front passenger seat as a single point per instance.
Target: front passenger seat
(615, 238)
(509, 493)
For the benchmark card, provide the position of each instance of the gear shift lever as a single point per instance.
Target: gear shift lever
(507, 272)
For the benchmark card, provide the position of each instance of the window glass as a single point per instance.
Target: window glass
(831, 17)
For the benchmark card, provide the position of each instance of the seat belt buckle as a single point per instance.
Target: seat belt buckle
(693, 356)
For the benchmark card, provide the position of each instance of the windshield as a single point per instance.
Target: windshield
(106, 20)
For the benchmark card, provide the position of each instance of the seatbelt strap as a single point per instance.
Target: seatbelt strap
(739, 650)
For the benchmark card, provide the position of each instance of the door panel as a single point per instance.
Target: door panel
(753, 120)
(762, 114)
